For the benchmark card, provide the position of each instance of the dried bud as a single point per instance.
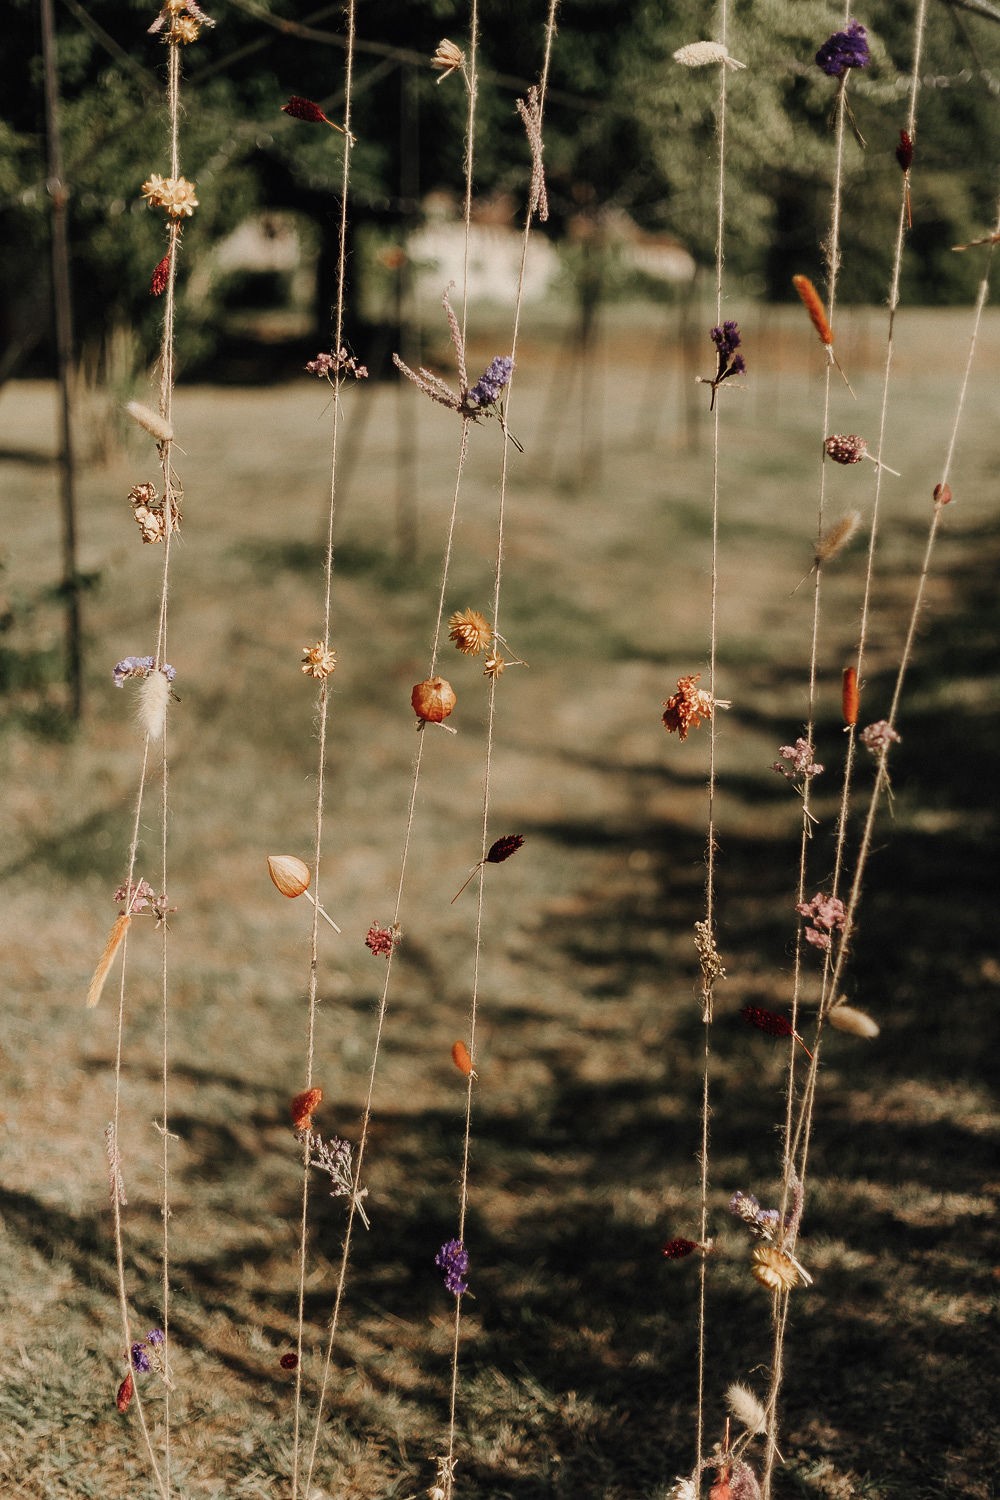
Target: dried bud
(290, 875)
(462, 1060)
(160, 277)
(770, 1022)
(904, 151)
(846, 448)
(942, 494)
(850, 696)
(447, 58)
(289, 1361)
(302, 1108)
(433, 700)
(125, 1392)
(304, 109)
(503, 848)
(318, 661)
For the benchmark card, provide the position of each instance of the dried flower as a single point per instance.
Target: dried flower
(846, 1018)
(140, 1359)
(453, 1259)
(942, 494)
(304, 109)
(151, 513)
(726, 338)
(680, 1248)
(462, 1059)
(850, 697)
(495, 666)
(303, 1106)
(849, 448)
(489, 387)
(770, 1022)
(904, 151)
(843, 50)
(341, 363)
(684, 1489)
(746, 1409)
(447, 58)
(837, 538)
(106, 959)
(175, 195)
(157, 426)
(700, 54)
(879, 736)
(433, 700)
(530, 110)
(289, 1361)
(124, 1394)
(334, 1158)
(774, 1269)
(686, 708)
(743, 1482)
(183, 20)
(763, 1222)
(382, 941)
(160, 278)
(116, 1181)
(814, 307)
(318, 661)
(470, 631)
(501, 849)
(800, 755)
(826, 915)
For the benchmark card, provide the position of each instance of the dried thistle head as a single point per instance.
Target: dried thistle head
(470, 631)
(774, 1269)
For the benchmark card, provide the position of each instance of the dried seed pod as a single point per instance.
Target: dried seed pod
(290, 875)
(942, 494)
(846, 448)
(850, 696)
(289, 1361)
(460, 1057)
(433, 700)
(124, 1393)
(846, 1018)
(303, 1106)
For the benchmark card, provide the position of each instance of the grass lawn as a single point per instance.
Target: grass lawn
(578, 1353)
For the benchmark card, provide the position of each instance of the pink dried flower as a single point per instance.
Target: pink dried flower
(801, 757)
(382, 941)
(879, 736)
(826, 915)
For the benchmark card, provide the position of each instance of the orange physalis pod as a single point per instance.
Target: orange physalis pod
(124, 1393)
(850, 697)
(460, 1057)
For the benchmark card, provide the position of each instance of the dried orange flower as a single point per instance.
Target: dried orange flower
(318, 661)
(774, 1269)
(686, 708)
(173, 194)
(302, 1108)
(470, 631)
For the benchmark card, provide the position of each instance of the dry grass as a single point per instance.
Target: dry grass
(577, 1377)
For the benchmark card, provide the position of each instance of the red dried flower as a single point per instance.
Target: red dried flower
(303, 1106)
(503, 848)
(288, 1361)
(160, 277)
(677, 1249)
(904, 151)
(773, 1024)
(304, 109)
(124, 1394)
(686, 708)
(382, 940)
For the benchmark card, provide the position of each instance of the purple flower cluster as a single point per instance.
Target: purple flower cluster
(491, 382)
(453, 1259)
(879, 736)
(843, 50)
(761, 1221)
(727, 340)
(139, 666)
(138, 1355)
(801, 757)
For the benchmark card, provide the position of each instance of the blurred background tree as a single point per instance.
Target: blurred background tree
(629, 133)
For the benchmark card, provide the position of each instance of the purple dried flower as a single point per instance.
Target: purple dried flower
(843, 50)
(727, 339)
(453, 1259)
(801, 756)
(761, 1221)
(491, 382)
(140, 1359)
(132, 666)
(155, 1336)
(879, 736)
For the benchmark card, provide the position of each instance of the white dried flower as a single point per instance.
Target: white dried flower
(700, 54)
(744, 1406)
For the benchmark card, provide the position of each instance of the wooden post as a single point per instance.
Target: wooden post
(63, 322)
